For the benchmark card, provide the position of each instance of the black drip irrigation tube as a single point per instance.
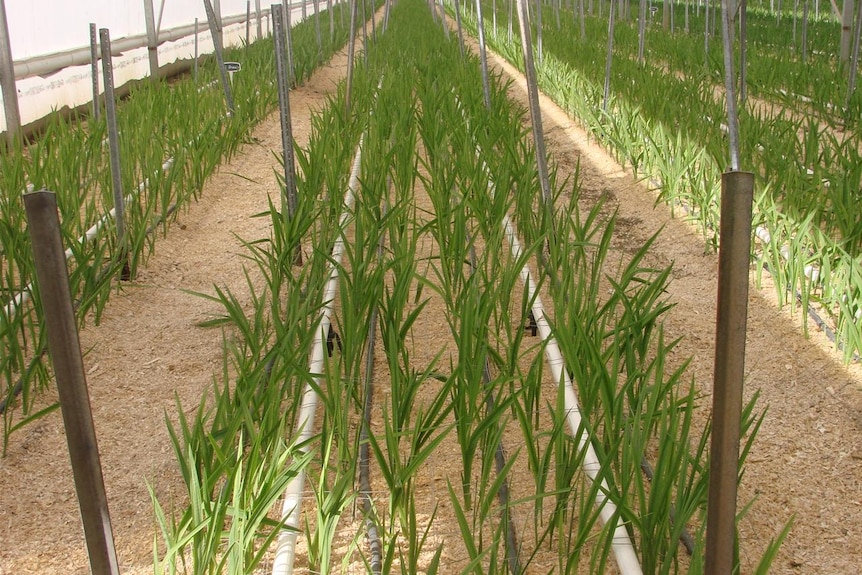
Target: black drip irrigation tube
(368, 510)
(512, 555)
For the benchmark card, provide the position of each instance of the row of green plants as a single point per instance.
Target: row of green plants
(428, 134)
(808, 178)
(177, 120)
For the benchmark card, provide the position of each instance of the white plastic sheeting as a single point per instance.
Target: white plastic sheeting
(52, 26)
(38, 27)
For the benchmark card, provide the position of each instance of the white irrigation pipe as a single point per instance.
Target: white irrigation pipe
(285, 550)
(624, 551)
(25, 294)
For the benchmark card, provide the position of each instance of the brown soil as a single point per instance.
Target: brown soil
(806, 464)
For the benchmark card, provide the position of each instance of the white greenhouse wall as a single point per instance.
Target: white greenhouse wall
(46, 27)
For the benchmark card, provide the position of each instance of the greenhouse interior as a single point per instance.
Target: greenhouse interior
(283, 286)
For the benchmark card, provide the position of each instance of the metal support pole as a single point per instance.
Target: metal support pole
(289, 197)
(215, 31)
(535, 110)
(7, 80)
(539, 50)
(94, 69)
(846, 32)
(483, 55)
(288, 38)
(113, 141)
(218, 21)
(610, 58)
(460, 30)
(854, 59)
(737, 191)
(247, 22)
(348, 93)
(729, 84)
(743, 51)
(439, 5)
(259, 22)
(152, 40)
(196, 52)
(65, 351)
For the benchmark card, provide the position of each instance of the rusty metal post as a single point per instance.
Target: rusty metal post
(65, 351)
(737, 191)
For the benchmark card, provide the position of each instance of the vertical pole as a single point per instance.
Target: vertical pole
(731, 318)
(610, 58)
(483, 55)
(743, 51)
(288, 39)
(804, 31)
(288, 199)
(258, 17)
(114, 144)
(535, 110)
(247, 22)
(641, 30)
(196, 52)
(582, 19)
(94, 69)
(493, 16)
(65, 351)
(539, 50)
(304, 9)
(329, 11)
(846, 37)
(365, 33)
(706, 35)
(460, 31)
(218, 21)
(730, 85)
(687, 2)
(7, 80)
(152, 40)
(348, 93)
(215, 31)
(439, 6)
(854, 60)
(316, 7)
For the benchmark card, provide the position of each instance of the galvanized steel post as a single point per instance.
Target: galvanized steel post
(152, 40)
(215, 31)
(94, 69)
(7, 80)
(113, 141)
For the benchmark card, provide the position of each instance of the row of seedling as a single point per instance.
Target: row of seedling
(439, 172)
(172, 136)
(807, 185)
